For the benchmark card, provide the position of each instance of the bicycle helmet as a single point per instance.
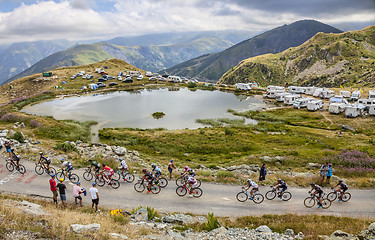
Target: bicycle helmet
(340, 181)
(171, 160)
(41, 153)
(186, 167)
(279, 179)
(90, 160)
(62, 160)
(144, 170)
(153, 165)
(312, 184)
(103, 165)
(248, 180)
(120, 159)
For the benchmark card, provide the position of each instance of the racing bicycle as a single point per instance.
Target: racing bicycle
(100, 181)
(127, 176)
(61, 173)
(332, 196)
(141, 185)
(271, 194)
(182, 190)
(310, 201)
(40, 168)
(244, 195)
(11, 165)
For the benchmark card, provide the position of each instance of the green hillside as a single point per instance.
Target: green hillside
(331, 60)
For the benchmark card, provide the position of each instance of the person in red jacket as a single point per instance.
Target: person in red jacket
(52, 184)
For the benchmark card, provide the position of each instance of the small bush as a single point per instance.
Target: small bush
(212, 223)
(35, 124)
(192, 85)
(228, 132)
(158, 115)
(223, 174)
(65, 146)
(151, 213)
(201, 131)
(120, 219)
(19, 137)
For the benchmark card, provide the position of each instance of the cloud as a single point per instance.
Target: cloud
(81, 4)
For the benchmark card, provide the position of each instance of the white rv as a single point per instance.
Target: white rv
(314, 105)
(281, 96)
(327, 94)
(356, 95)
(254, 85)
(243, 86)
(366, 102)
(337, 107)
(302, 102)
(272, 91)
(289, 99)
(272, 88)
(371, 110)
(310, 90)
(371, 94)
(148, 74)
(345, 94)
(134, 73)
(294, 89)
(175, 79)
(354, 110)
(317, 92)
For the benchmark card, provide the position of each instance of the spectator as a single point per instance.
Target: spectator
(52, 184)
(62, 189)
(323, 172)
(262, 173)
(329, 172)
(171, 166)
(94, 196)
(77, 191)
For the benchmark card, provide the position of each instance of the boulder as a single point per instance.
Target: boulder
(174, 235)
(266, 158)
(289, 232)
(219, 232)
(3, 134)
(313, 165)
(136, 153)
(339, 235)
(171, 219)
(78, 228)
(263, 228)
(300, 235)
(368, 234)
(347, 127)
(118, 236)
(32, 208)
(140, 215)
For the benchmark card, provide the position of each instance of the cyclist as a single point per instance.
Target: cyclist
(67, 166)
(149, 177)
(342, 188)
(44, 160)
(192, 182)
(107, 173)
(15, 157)
(281, 184)
(188, 171)
(318, 192)
(123, 167)
(254, 187)
(8, 148)
(94, 164)
(156, 171)
(171, 166)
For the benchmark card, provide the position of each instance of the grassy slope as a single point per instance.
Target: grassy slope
(356, 49)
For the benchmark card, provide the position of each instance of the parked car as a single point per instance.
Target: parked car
(119, 78)
(73, 77)
(140, 77)
(128, 80)
(152, 79)
(100, 84)
(110, 77)
(112, 84)
(101, 79)
(119, 74)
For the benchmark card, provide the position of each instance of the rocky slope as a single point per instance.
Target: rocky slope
(330, 60)
(213, 66)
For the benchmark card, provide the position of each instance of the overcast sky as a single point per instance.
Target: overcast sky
(31, 20)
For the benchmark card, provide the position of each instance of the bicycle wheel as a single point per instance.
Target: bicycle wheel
(286, 196)
(129, 177)
(87, 176)
(309, 202)
(181, 191)
(60, 175)
(100, 181)
(241, 196)
(163, 182)
(155, 189)
(52, 171)
(179, 181)
(270, 195)
(139, 187)
(326, 203)
(197, 192)
(258, 198)
(39, 169)
(346, 197)
(199, 183)
(115, 184)
(21, 169)
(74, 178)
(116, 176)
(332, 196)
(9, 166)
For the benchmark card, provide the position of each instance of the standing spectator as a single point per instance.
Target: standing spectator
(8, 148)
(262, 173)
(94, 196)
(77, 191)
(329, 172)
(171, 166)
(62, 189)
(323, 172)
(52, 184)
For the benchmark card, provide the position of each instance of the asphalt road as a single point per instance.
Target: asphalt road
(217, 198)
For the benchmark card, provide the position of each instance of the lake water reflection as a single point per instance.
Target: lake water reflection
(134, 109)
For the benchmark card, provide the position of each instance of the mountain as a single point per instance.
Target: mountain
(331, 60)
(20, 56)
(213, 66)
(152, 58)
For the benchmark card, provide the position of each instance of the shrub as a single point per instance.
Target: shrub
(228, 131)
(11, 117)
(151, 213)
(35, 124)
(19, 137)
(192, 85)
(65, 146)
(212, 223)
(223, 174)
(158, 115)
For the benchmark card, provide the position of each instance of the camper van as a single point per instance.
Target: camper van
(345, 94)
(291, 98)
(337, 99)
(294, 89)
(371, 94)
(281, 96)
(175, 79)
(302, 102)
(310, 90)
(366, 102)
(371, 110)
(314, 105)
(354, 110)
(356, 95)
(317, 92)
(243, 86)
(134, 73)
(337, 107)
(272, 91)
(148, 74)
(327, 94)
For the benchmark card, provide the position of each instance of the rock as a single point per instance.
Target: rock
(120, 151)
(263, 228)
(371, 227)
(347, 127)
(32, 208)
(368, 234)
(313, 165)
(119, 236)
(289, 232)
(266, 158)
(174, 235)
(171, 219)
(136, 153)
(219, 232)
(300, 235)
(3, 134)
(323, 237)
(37, 142)
(140, 215)
(78, 228)
(339, 235)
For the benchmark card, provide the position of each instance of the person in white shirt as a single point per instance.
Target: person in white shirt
(254, 187)
(94, 196)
